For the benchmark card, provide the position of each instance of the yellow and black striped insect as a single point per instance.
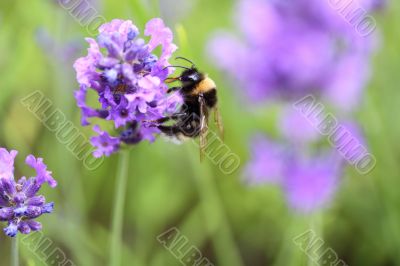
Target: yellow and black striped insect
(199, 94)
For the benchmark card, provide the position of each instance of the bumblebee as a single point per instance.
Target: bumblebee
(199, 94)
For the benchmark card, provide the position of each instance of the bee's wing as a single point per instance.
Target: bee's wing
(203, 126)
(218, 121)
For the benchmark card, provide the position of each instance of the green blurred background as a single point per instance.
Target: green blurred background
(167, 187)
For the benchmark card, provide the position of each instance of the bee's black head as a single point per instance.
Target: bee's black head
(191, 76)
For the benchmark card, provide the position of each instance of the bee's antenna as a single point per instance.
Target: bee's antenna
(180, 57)
(177, 66)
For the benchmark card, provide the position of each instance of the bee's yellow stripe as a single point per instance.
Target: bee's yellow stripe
(205, 85)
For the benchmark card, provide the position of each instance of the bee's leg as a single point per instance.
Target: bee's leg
(173, 89)
(166, 119)
(170, 130)
(218, 121)
(171, 117)
(188, 128)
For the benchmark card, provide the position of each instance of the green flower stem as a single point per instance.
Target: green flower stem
(288, 249)
(14, 252)
(216, 223)
(118, 209)
(316, 227)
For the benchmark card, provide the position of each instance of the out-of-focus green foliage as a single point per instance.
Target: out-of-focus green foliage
(167, 186)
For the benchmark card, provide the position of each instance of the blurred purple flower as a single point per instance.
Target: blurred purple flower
(267, 162)
(296, 128)
(346, 85)
(348, 137)
(56, 50)
(309, 183)
(19, 204)
(356, 131)
(129, 80)
(292, 49)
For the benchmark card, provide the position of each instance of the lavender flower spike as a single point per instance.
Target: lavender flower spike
(19, 202)
(128, 77)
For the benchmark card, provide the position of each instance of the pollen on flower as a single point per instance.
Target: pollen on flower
(128, 77)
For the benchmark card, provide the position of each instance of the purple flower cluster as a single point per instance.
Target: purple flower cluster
(128, 77)
(289, 49)
(292, 48)
(19, 202)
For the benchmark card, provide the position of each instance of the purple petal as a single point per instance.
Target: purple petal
(31, 187)
(20, 211)
(7, 163)
(104, 143)
(42, 175)
(24, 228)
(6, 214)
(160, 35)
(8, 186)
(11, 230)
(36, 201)
(48, 207)
(85, 66)
(33, 212)
(35, 226)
